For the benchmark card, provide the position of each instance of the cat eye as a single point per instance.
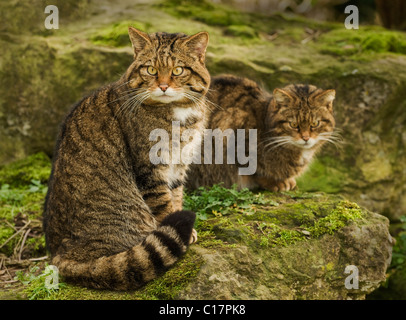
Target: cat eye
(177, 71)
(294, 124)
(152, 71)
(315, 123)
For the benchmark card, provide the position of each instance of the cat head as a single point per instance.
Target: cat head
(301, 116)
(168, 67)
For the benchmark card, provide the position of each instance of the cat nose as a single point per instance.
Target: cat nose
(163, 86)
(305, 138)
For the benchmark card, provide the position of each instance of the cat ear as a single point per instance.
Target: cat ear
(197, 44)
(281, 97)
(138, 39)
(326, 98)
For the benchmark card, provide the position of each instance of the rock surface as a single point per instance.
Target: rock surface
(302, 268)
(299, 249)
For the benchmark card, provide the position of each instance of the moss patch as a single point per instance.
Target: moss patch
(298, 217)
(22, 172)
(324, 174)
(22, 192)
(116, 35)
(241, 31)
(366, 40)
(165, 287)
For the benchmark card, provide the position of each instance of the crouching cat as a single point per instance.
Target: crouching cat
(112, 218)
(292, 125)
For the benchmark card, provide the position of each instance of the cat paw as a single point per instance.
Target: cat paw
(193, 237)
(288, 184)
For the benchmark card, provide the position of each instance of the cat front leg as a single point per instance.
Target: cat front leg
(286, 185)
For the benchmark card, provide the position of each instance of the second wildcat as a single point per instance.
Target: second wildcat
(292, 125)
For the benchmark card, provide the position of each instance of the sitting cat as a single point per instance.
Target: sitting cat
(291, 126)
(112, 218)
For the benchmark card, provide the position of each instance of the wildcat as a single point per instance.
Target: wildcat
(113, 219)
(292, 125)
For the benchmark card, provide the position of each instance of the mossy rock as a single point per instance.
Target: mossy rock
(311, 239)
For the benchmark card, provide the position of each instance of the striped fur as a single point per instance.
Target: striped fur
(112, 219)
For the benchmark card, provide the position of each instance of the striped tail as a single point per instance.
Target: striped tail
(135, 267)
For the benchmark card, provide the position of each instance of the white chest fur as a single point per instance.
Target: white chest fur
(183, 114)
(306, 156)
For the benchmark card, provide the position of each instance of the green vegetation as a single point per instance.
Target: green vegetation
(39, 286)
(340, 42)
(220, 201)
(344, 212)
(165, 287)
(326, 174)
(394, 288)
(22, 192)
(241, 31)
(21, 173)
(116, 35)
(204, 11)
(399, 250)
(231, 216)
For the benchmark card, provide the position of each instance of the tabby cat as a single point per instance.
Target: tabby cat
(291, 126)
(112, 218)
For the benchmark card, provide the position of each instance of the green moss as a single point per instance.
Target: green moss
(241, 31)
(116, 35)
(385, 42)
(165, 287)
(204, 11)
(23, 207)
(298, 217)
(172, 282)
(22, 193)
(344, 212)
(22, 172)
(342, 42)
(324, 174)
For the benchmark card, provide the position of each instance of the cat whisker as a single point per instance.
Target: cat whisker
(122, 84)
(131, 92)
(280, 145)
(336, 143)
(273, 140)
(334, 137)
(278, 142)
(196, 99)
(199, 95)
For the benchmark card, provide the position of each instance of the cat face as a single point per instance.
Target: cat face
(302, 116)
(168, 67)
